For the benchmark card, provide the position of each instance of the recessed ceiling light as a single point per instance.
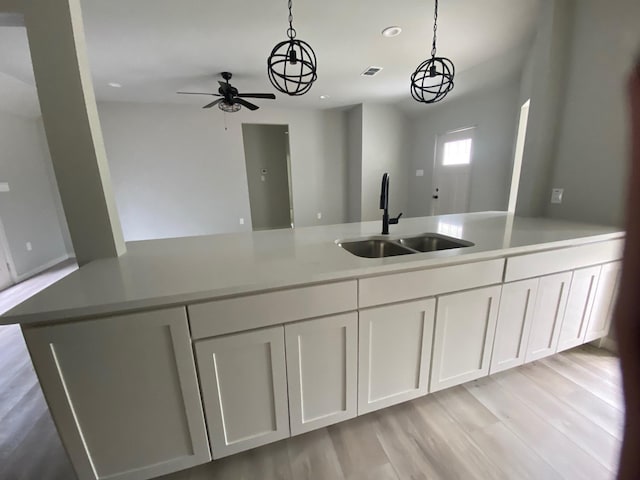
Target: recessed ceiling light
(324, 97)
(115, 84)
(391, 31)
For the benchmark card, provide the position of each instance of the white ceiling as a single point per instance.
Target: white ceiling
(156, 47)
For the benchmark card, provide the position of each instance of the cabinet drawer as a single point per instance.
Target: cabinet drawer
(265, 309)
(399, 287)
(562, 260)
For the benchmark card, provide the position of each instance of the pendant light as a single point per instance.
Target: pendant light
(292, 65)
(433, 79)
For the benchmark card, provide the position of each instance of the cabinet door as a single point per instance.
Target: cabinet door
(322, 367)
(244, 389)
(514, 324)
(604, 302)
(123, 393)
(464, 333)
(579, 306)
(548, 312)
(394, 353)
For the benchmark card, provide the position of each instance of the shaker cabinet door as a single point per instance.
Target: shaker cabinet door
(604, 302)
(548, 313)
(579, 306)
(322, 370)
(244, 389)
(464, 333)
(514, 324)
(123, 393)
(394, 353)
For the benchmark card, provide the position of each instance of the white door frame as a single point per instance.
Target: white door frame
(439, 153)
(4, 245)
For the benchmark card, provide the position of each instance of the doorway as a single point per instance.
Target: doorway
(268, 159)
(452, 172)
(6, 278)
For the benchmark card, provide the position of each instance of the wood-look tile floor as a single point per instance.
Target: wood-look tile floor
(558, 418)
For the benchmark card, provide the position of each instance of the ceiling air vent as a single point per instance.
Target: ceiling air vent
(371, 71)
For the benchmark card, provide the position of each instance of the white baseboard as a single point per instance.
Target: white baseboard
(42, 268)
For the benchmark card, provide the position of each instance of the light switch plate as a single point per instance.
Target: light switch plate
(419, 173)
(4, 187)
(556, 195)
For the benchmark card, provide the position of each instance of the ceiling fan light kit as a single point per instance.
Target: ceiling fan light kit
(231, 100)
(292, 64)
(433, 79)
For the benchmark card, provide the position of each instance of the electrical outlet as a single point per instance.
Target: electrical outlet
(4, 187)
(319, 215)
(556, 195)
(29, 246)
(419, 173)
(241, 221)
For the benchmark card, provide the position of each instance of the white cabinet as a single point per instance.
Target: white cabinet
(322, 368)
(464, 333)
(579, 305)
(244, 389)
(514, 324)
(123, 393)
(394, 353)
(548, 312)
(604, 302)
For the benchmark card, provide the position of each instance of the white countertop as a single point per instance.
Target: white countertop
(157, 273)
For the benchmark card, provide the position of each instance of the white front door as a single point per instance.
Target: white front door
(452, 172)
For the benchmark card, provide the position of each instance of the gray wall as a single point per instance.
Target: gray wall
(494, 113)
(265, 148)
(354, 171)
(544, 82)
(30, 211)
(592, 152)
(176, 171)
(383, 150)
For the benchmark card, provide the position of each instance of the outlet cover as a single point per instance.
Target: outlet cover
(419, 173)
(319, 215)
(241, 221)
(556, 195)
(4, 187)
(29, 246)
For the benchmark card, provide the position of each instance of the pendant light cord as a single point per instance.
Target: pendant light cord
(435, 30)
(291, 32)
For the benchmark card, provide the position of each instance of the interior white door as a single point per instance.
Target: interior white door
(514, 324)
(604, 302)
(452, 172)
(243, 379)
(124, 394)
(548, 312)
(464, 333)
(394, 353)
(322, 371)
(579, 306)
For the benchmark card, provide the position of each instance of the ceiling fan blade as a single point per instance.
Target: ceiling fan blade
(244, 103)
(214, 103)
(198, 93)
(269, 96)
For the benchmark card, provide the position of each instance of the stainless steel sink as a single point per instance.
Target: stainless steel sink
(381, 247)
(375, 248)
(433, 243)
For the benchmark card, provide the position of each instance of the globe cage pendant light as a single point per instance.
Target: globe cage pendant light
(433, 79)
(292, 65)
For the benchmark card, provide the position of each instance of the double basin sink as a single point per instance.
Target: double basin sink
(380, 247)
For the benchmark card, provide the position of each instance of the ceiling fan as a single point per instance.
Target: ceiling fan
(230, 99)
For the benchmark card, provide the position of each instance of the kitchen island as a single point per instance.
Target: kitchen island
(188, 349)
